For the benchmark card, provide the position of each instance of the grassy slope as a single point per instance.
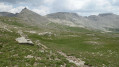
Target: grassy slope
(13, 54)
(104, 53)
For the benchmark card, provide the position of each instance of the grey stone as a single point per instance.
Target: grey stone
(23, 40)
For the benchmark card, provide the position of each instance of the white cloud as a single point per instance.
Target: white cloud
(16, 10)
(48, 1)
(43, 7)
(42, 10)
(4, 7)
(87, 7)
(10, 8)
(76, 4)
(83, 4)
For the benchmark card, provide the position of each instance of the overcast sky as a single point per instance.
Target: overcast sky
(43, 7)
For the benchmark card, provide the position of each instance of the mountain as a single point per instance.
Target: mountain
(65, 18)
(32, 17)
(7, 14)
(104, 22)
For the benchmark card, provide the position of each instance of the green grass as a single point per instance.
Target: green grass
(11, 21)
(13, 54)
(74, 41)
(106, 53)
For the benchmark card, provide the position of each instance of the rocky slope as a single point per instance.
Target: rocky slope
(13, 46)
(105, 22)
(32, 17)
(65, 18)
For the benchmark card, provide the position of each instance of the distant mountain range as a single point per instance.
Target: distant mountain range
(105, 22)
(7, 14)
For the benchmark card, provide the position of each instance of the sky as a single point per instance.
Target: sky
(43, 7)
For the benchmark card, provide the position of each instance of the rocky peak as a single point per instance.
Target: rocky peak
(32, 17)
(25, 10)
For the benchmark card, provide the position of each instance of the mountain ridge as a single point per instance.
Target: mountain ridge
(103, 22)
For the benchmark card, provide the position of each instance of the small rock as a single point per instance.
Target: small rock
(35, 64)
(1, 52)
(16, 66)
(29, 56)
(47, 34)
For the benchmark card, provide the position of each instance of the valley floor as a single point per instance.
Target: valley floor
(96, 49)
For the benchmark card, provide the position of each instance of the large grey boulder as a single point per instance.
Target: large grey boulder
(23, 40)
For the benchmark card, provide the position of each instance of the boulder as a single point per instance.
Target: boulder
(23, 40)
(47, 34)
